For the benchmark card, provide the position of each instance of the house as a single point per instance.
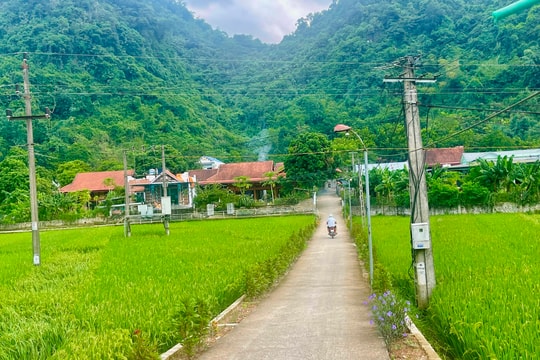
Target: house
(208, 162)
(150, 189)
(255, 173)
(98, 183)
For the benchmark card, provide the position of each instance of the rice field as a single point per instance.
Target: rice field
(486, 304)
(95, 288)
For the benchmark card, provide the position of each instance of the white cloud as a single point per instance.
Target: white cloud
(267, 20)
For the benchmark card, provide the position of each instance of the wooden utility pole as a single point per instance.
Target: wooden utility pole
(420, 233)
(34, 215)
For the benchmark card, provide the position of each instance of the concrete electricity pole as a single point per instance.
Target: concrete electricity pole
(420, 232)
(165, 200)
(36, 246)
(127, 225)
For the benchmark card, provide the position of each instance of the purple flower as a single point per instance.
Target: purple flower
(394, 327)
(389, 314)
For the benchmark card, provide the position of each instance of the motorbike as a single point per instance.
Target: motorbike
(332, 231)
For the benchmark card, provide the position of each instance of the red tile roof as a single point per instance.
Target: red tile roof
(227, 173)
(95, 181)
(444, 156)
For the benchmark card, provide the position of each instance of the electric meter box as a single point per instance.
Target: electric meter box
(166, 205)
(420, 236)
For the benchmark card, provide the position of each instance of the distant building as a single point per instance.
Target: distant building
(457, 159)
(208, 162)
(150, 189)
(445, 157)
(519, 156)
(99, 184)
(147, 190)
(255, 172)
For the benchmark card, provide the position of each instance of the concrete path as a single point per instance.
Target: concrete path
(316, 312)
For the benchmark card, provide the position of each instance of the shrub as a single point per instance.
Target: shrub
(473, 194)
(442, 195)
(191, 320)
(389, 313)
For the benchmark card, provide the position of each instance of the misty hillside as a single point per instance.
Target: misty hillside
(123, 74)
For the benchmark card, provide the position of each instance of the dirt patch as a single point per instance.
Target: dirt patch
(407, 348)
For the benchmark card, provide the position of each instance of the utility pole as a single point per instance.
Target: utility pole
(36, 245)
(165, 200)
(422, 251)
(127, 226)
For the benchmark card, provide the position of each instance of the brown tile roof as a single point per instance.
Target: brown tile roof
(95, 181)
(444, 156)
(202, 174)
(254, 171)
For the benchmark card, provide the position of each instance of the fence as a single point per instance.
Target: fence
(158, 218)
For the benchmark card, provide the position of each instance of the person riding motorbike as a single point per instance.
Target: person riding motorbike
(331, 224)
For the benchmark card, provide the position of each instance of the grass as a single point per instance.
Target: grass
(485, 304)
(95, 288)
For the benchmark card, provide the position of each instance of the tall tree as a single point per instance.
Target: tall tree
(309, 161)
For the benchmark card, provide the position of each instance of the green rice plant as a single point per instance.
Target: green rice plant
(488, 274)
(95, 287)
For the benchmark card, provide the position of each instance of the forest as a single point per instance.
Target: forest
(131, 75)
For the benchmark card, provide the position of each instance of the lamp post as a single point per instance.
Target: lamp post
(347, 129)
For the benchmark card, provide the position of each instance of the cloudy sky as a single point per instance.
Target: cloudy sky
(267, 20)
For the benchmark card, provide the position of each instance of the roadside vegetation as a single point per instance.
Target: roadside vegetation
(98, 294)
(488, 272)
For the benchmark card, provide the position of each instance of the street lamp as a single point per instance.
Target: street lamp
(347, 129)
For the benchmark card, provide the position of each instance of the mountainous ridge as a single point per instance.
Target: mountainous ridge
(128, 73)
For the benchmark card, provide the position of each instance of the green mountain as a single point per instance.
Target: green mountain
(131, 74)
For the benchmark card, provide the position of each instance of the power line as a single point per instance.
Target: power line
(474, 109)
(485, 120)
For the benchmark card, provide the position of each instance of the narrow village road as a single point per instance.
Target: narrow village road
(316, 312)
